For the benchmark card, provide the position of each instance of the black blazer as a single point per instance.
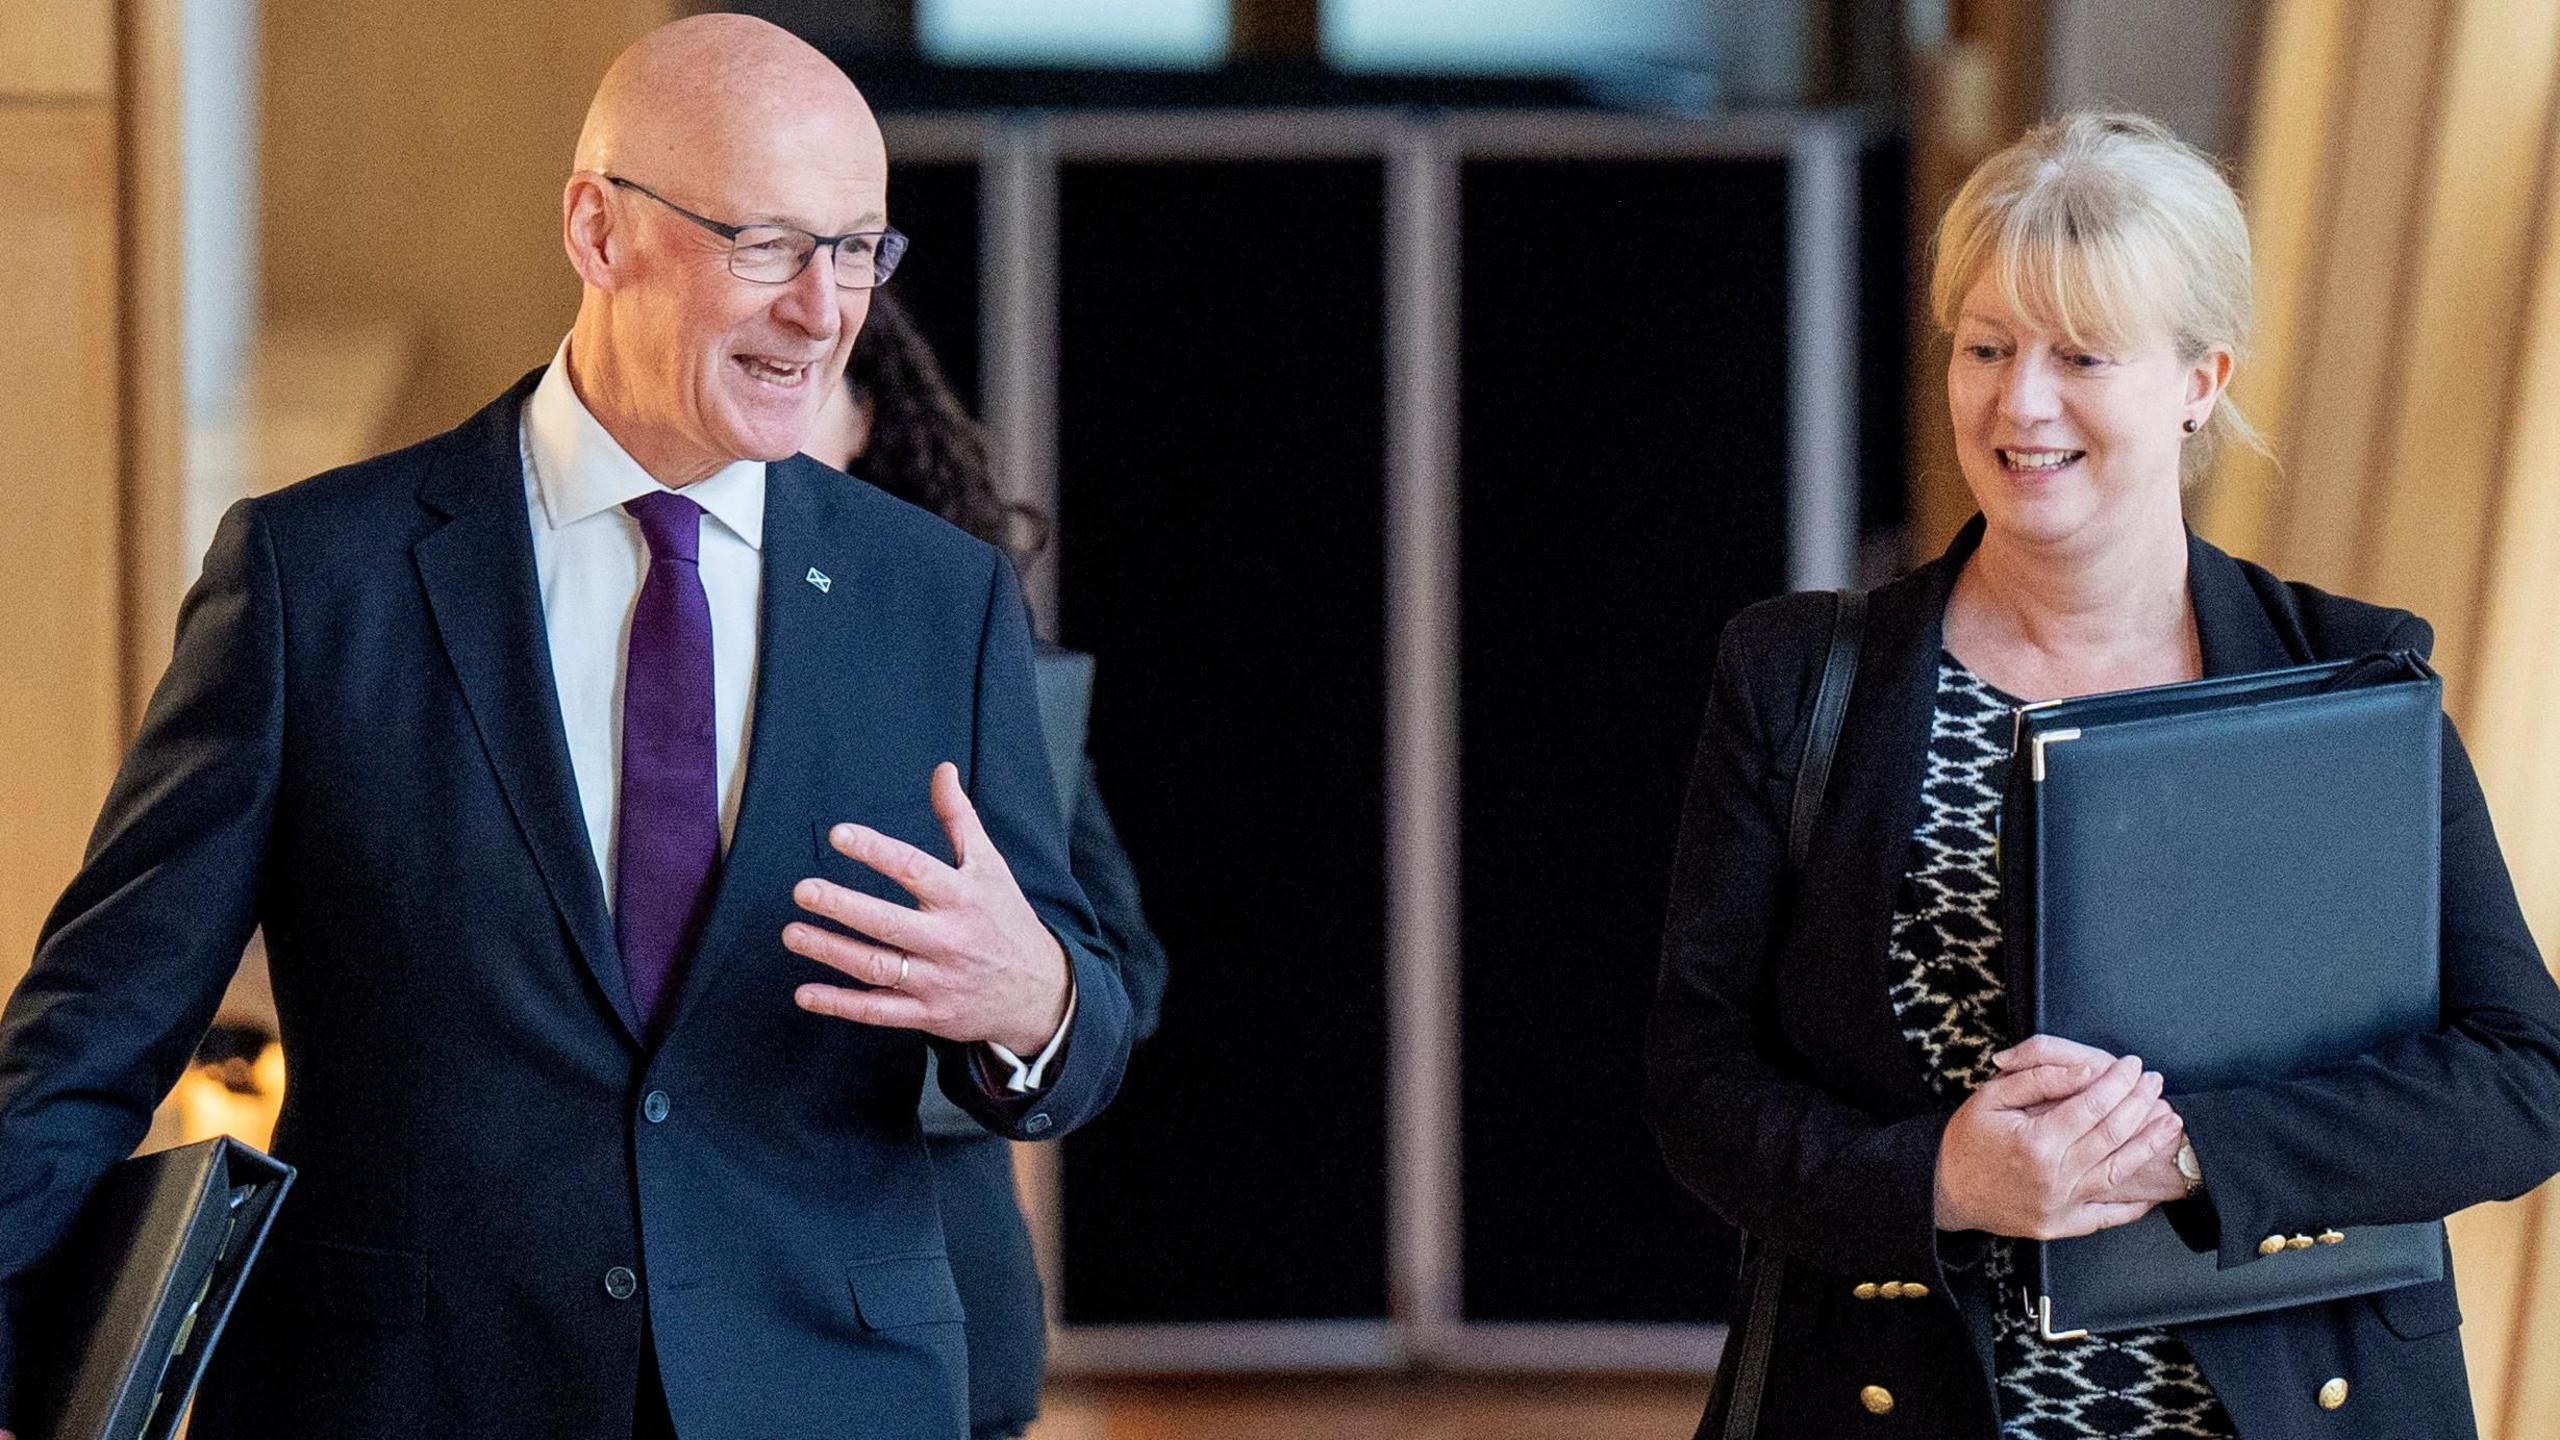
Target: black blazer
(358, 744)
(1783, 1094)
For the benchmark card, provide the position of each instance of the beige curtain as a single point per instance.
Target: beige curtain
(2408, 372)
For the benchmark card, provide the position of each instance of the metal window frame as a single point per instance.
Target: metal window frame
(1425, 1204)
(1422, 153)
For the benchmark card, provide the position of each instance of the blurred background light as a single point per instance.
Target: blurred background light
(1514, 36)
(1146, 34)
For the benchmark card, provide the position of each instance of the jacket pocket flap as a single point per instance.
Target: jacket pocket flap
(2416, 1311)
(351, 1282)
(917, 828)
(905, 1290)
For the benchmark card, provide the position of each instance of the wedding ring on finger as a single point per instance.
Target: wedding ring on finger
(906, 963)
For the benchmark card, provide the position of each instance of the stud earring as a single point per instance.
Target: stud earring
(2191, 427)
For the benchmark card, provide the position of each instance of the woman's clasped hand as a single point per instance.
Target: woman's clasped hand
(2066, 1140)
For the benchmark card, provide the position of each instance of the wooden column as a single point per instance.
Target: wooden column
(151, 395)
(1978, 92)
(68, 302)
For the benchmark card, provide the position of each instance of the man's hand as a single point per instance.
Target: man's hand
(2049, 1151)
(971, 962)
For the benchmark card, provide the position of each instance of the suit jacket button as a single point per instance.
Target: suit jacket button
(2330, 1237)
(1038, 1123)
(655, 1107)
(1889, 1290)
(2273, 1244)
(2333, 1394)
(1877, 1399)
(620, 1283)
(1913, 1290)
(2298, 1242)
(1866, 1290)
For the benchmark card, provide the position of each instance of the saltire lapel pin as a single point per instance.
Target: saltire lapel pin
(818, 578)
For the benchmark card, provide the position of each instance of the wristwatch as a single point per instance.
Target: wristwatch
(2187, 1167)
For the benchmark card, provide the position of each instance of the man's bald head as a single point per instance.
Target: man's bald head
(709, 127)
(694, 94)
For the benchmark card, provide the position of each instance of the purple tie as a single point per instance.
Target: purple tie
(668, 829)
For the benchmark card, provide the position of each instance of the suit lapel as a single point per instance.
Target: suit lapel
(1855, 867)
(822, 598)
(479, 576)
(2237, 631)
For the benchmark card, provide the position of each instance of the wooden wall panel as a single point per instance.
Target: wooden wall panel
(157, 560)
(412, 160)
(1963, 112)
(61, 712)
(154, 390)
(57, 49)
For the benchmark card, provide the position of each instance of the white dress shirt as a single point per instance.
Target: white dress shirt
(589, 558)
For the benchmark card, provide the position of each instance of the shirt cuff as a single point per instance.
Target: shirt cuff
(1026, 1077)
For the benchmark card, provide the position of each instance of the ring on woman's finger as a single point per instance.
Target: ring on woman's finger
(906, 963)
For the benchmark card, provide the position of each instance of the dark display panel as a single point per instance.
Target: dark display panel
(1221, 516)
(1884, 334)
(1624, 474)
(937, 206)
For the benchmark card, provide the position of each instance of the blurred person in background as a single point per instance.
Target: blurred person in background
(896, 424)
(235, 1087)
(1831, 1064)
(551, 752)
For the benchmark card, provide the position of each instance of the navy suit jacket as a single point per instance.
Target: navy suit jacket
(358, 745)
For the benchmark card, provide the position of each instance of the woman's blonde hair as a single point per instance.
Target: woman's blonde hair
(2110, 229)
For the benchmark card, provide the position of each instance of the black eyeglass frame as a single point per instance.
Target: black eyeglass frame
(889, 244)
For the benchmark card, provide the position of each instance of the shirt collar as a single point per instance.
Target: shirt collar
(581, 470)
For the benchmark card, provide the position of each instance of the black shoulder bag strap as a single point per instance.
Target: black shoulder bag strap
(1813, 777)
(1822, 738)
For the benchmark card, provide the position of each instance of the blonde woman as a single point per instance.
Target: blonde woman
(1831, 1059)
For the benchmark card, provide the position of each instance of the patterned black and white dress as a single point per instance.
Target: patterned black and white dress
(1948, 998)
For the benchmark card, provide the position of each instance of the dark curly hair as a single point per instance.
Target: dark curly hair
(924, 448)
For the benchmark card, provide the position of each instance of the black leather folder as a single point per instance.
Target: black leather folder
(2235, 879)
(1064, 683)
(138, 1296)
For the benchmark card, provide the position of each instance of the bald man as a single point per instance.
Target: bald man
(629, 803)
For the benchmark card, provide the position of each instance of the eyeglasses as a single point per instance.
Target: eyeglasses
(776, 254)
